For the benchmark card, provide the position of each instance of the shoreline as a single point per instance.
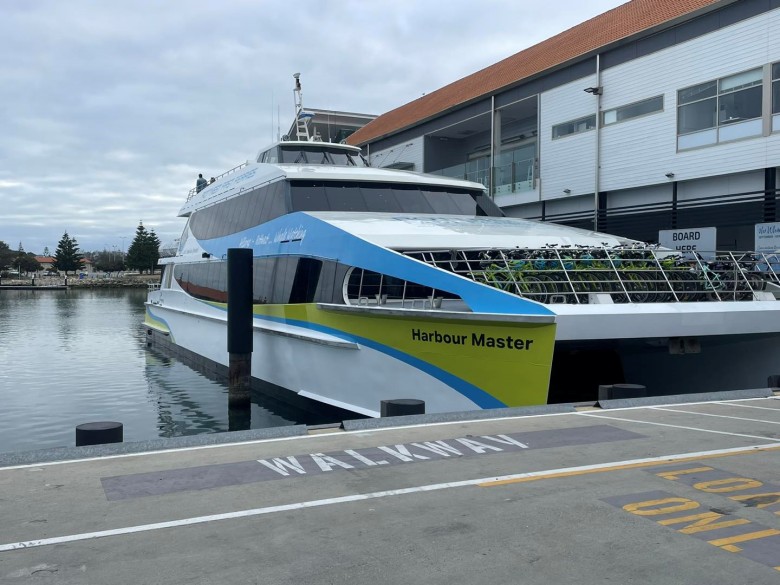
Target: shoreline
(61, 283)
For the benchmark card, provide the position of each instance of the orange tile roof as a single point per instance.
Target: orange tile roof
(616, 24)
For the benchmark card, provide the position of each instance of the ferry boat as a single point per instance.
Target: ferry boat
(377, 284)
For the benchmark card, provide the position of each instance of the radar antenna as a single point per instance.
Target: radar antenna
(302, 117)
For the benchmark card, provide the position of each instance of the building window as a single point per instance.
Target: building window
(720, 110)
(635, 110)
(574, 127)
(776, 97)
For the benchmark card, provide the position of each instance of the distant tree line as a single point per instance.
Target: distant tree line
(143, 255)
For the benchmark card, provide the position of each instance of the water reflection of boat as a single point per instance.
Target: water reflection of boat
(189, 403)
(374, 284)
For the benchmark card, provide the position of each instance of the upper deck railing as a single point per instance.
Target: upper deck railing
(194, 191)
(639, 275)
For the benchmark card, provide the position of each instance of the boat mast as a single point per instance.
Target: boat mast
(301, 117)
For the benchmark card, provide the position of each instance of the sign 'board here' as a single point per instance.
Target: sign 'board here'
(688, 241)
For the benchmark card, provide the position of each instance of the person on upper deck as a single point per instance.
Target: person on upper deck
(201, 183)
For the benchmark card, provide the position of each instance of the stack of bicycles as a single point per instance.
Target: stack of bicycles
(636, 274)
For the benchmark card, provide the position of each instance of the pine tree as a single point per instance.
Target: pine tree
(144, 251)
(67, 255)
(6, 255)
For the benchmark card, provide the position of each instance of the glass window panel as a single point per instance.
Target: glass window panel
(610, 117)
(411, 200)
(254, 207)
(697, 92)
(345, 197)
(698, 139)
(696, 116)
(283, 277)
(776, 97)
(262, 282)
(244, 219)
(776, 71)
(308, 197)
(740, 130)
(740, 105)
(655, 104)
(447, 203)
(380, 198)
(574, 127)
(340, 158)
(277, 205)
(325, 289)
(740, 80)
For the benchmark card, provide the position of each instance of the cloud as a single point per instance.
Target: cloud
(111, 109)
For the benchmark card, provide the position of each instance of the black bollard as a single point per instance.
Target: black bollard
(239, 326)
(617, 391)
(99, 433)
(401, 407)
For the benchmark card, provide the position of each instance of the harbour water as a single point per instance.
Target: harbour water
(76, 356)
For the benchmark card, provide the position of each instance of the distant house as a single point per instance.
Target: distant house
(47, 264)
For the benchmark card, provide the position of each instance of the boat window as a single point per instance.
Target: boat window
(262, 280)
(410, 200)
(343, 198)
(319, 154)
(276, 204)
(203, 280)
(304, 284)
(390, 198)
(240, 213)
(309, 199)
(366, 287)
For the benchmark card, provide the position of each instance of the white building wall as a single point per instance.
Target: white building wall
(721, 185)
(410, 151)
(567, 162)
(641, 151)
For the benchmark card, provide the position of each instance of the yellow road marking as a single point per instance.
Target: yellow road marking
(618, 467)
(723, 542)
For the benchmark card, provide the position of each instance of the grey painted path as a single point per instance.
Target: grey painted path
(678, 493)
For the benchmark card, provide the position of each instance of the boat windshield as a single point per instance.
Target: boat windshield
(319, 154)
(389, 198)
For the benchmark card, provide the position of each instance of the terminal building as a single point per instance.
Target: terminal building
(656, 115)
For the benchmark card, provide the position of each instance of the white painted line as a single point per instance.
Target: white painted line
(748, 406)
(361, 497)
(646, 422)
(665, 409)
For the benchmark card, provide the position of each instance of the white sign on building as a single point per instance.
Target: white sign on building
(767, 237)
(688, 241)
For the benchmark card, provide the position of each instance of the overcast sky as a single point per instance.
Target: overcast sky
(110, 109)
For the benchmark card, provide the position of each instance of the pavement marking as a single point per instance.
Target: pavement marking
(137, 485)
(619, 466)
(481, 482)
(724, 530)
(647, 422)
(748, 406)
(665, 409)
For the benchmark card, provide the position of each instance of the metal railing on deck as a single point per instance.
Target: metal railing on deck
(627, 274)
(194, 191)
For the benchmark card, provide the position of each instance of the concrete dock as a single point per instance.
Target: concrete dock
(668, 493)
